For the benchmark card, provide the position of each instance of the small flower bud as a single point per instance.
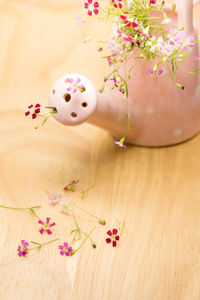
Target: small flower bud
(102, 221)
(94, 244)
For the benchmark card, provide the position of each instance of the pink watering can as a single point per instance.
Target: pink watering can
(162, 113)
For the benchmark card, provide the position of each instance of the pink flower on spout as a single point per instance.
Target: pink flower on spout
(46, 226)
(75, 85)
(64, 249)
(23, 249)
(33, 110)
(117, 3)
(92, 7)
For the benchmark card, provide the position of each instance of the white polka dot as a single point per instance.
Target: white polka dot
(150, 110)
(197, 91)
(177, 132)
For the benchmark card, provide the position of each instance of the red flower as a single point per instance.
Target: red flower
(45, 226)
(152, 1)
(117, 5)
(92, 7)
(128, 22)
(33, 110)
(114, 237)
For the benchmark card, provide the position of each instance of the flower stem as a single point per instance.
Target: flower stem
(74, 251)
(122, 229)
(29, 209)
(41, 245)
(77, 230)
(101, 221)
(83, 192)
(92, 241)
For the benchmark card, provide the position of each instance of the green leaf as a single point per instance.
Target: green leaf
(195, 71)
(35, 243)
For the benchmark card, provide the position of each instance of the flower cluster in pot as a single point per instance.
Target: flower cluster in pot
(142, 32)
(141, 35)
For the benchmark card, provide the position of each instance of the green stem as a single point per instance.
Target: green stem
(20, 208)
(101, 221)
(41, 245)
(92, 241)
(83, 192)
(74, 251)
(122, 230)
(29, 209)
(77, 230)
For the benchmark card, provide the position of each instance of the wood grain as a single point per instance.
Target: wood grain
(156, 191)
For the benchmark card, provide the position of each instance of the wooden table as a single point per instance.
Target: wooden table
(156, 191)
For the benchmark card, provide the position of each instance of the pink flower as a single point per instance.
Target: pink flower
(117, 80)
(152, 1)
(197, 57)
(158, 73)
(115, 46)
(71, 185)
(110, 60)
(92, 7)
(128, 22)
(128, 39)
(113, 237)
(64, 249)
(80, 21)
(116, 5)
(23, 250)
(46, 226)
(75, 85)
(33, 110)
(55, 198)
(120, 145)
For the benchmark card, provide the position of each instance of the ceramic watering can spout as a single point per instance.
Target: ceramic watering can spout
(77, 101)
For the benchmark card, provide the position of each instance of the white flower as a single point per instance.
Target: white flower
(130, 3)
(146, 30)
(152, 44)
(155, 43)
(166, 20)
(65, 208)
